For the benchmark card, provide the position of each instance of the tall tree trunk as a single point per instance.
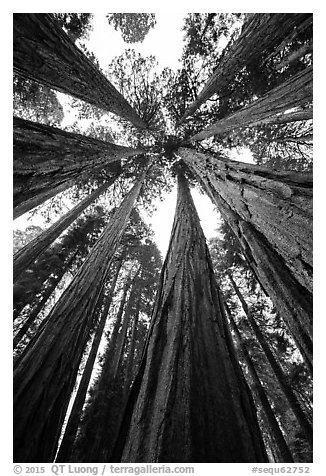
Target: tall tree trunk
(277, 203)
(46, 157)
(295, 92)
(65, 450)
(37, 200)
(285, 387)
(189, 401)
(45, 377)
(106, 400)
(290, 299)
(53, 282)
(130, 370)
(121, 338)
(44, 53)
(260, 35)
(35, 248)
(283, 451)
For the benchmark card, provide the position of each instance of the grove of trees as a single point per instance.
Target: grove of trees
(204, 355)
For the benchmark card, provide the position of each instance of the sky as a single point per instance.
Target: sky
(106, 43)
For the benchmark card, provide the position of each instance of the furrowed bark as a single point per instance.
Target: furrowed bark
(261, 34)
(46, 157)
(66, 446)
(189, 401)
(44, 53)
(44, 378)
(290, 298)
(277, 204)
(283, 451)
(35, 248)
(286, 389)
(269, 109)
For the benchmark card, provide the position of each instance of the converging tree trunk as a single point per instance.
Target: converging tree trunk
(189, 401)
(289, 297)
(260, 35)
(44, 53)
(34, 249)
(44, 378)
(285, 387)
(46, 157)
(272, 426)
(278, 204)
(269, 109)
(65, 450)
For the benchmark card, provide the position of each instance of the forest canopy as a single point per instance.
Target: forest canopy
(122, 354)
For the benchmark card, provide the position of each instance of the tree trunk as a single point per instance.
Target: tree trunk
(277, 204)
(65, 450)
(45, 377)
(35, 248)
(189, 401)
(46, 157)
(37, 200)
(283, 451)
(121, 338)
(130, 370)
(44, 53)
(108, 400)
(269, 109)
(261, 34)
(290, 299)
(290, 396)
(54, 281)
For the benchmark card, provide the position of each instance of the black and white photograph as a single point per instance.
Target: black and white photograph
(163, 227)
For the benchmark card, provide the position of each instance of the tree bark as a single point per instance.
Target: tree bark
(286, 389)
(189, 401)
(46, 157)
(283, 451)
(66, 446)
(30, 203)
(277, 204)
(291, 300)
(45, 377)
(106, 403)
(269, 109)
(35, 248)
(44, 53)
(260, 35)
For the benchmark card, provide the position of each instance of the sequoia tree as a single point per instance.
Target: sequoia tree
(69, 436)
(34, 249)
(189, 401)
(261, 34)
(45, 376)
(270, 108)
(46, 157)
(271, 422)
(44, 53)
